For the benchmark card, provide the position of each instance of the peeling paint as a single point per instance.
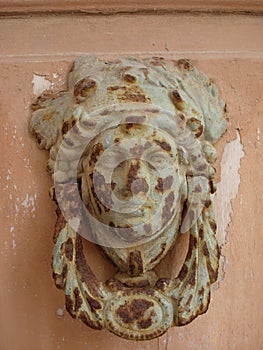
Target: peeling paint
(227, 190)
(40, 84)
(258, 134)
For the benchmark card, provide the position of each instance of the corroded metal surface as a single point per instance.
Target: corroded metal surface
(132, 140)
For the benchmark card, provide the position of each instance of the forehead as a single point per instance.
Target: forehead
(128, 135)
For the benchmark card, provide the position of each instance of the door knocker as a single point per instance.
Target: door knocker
(131, 155)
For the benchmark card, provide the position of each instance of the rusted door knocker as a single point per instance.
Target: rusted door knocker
(131, 155)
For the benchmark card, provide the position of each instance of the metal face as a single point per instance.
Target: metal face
(131, 154)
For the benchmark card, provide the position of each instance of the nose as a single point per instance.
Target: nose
(130, 178)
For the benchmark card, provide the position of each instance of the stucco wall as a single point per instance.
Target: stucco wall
(36, 53)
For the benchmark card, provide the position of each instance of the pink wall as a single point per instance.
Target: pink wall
(228, 48)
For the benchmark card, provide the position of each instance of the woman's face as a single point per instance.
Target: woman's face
(132, 176)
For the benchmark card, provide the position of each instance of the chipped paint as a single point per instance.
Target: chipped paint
(258, 135)
(40, 84)
(227, 188)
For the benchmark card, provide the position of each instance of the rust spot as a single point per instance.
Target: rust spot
(105, 112)
(46, 96)
(114, 285)
(192, 242)
(159, 186)
(201, 232)
(135, 119)
(84, 317)
(78, 299)
(114, 88)
(117, 140)
(213, 225)
(201, 291)
(167, 213)
(140, 185)
(202, 167)
(205, 250)
(182, 117)
(131, 93)
(70, 306)
(49, 116)
(192, 277)
(164, 145)
(212, 187)
(162, 283)
(84, 86)
(152, 110)
(186, 64)
(196, 126)
(132, 174)
(163, 246)
(60, 224)
(191, 216)
(102, 195)
(139, 149)
(67, 125)
(113, 185)
(127, 233)
(86, 274)
(93, 303)
(135, 264)
(164, 184)
(207, 203)
(157, 61)
(183, 273)
(177, 100)
(88, 123)
(197, 189)
(147, 228)
(144, 324)
(129, 78)
(189, 300)
(96, 151)
(69, 249)
(192, 246)
(213, 274)
(134, 312)
(64, 271)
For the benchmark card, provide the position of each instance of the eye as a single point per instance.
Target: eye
(159, 160)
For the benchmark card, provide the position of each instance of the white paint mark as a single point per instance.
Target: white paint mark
(13, 244)
(181, 336)
(55, 75)
(258, 135)
(27, 164)
(227, 188)
(60, 312)
(40, 84)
